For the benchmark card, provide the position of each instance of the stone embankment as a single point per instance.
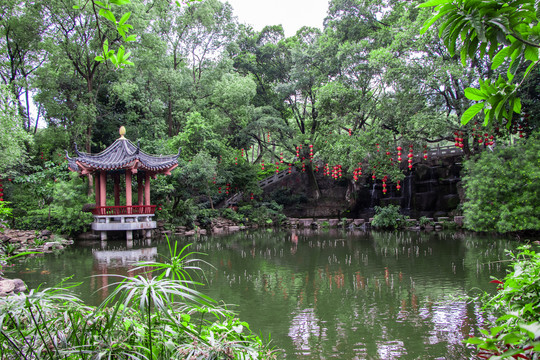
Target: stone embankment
(14, 242)
(221, 225)
(29, 240)
(412, 224)
(217, 226)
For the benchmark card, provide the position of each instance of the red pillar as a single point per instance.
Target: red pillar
(128, 189)
(103, 188)
(96, 184)
(147, 189)
(116, 190)
(140, 188)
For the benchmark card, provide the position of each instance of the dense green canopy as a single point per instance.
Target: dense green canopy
(191, 76)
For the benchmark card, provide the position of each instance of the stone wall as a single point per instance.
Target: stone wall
(433, 189)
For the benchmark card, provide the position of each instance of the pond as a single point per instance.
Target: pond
(320, 295)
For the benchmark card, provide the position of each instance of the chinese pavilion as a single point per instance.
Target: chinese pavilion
(122, 159)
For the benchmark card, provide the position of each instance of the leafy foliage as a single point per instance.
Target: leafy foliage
(502, 188)
(13, 137)
(388, 217)
(516, 330)
(506, 31)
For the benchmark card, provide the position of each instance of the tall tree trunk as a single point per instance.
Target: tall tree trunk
(169, 112)
(313, 185)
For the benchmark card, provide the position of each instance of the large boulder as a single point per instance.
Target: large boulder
(8, 287)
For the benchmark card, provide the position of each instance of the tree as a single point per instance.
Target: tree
(13, 137)
(507, 32)
(502, 188)
(22, 32)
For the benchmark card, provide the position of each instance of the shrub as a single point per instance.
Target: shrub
(266, 213)
(205, 216)
(388, 217)
(425, 221)
(502, 188)
(515, 331)
(232, 215)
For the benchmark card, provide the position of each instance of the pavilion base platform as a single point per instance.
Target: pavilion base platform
(127, 223)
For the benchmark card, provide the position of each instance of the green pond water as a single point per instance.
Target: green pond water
(319, 295)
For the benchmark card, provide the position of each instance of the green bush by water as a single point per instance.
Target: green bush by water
(503, 188)
(388, 217)
(516, 331)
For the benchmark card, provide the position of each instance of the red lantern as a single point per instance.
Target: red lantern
(398, 186)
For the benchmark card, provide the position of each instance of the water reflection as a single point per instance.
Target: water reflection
(363, 295)
(324, 294)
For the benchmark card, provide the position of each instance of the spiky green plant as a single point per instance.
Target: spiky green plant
(177, 266)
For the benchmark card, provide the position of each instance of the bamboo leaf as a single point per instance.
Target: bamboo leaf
(517, 105)
(499, 58)
(107, 14)
(124, 18)
(471, 112)
(475, 94)
(531, 53)
(430, 22)
(432, 3)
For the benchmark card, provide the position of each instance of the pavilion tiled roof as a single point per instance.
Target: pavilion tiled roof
(122, 154)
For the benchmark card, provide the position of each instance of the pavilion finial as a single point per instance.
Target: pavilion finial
(122, 132)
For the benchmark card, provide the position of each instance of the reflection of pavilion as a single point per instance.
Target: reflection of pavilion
(119, 260)
(126, 159)
(124, 257)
